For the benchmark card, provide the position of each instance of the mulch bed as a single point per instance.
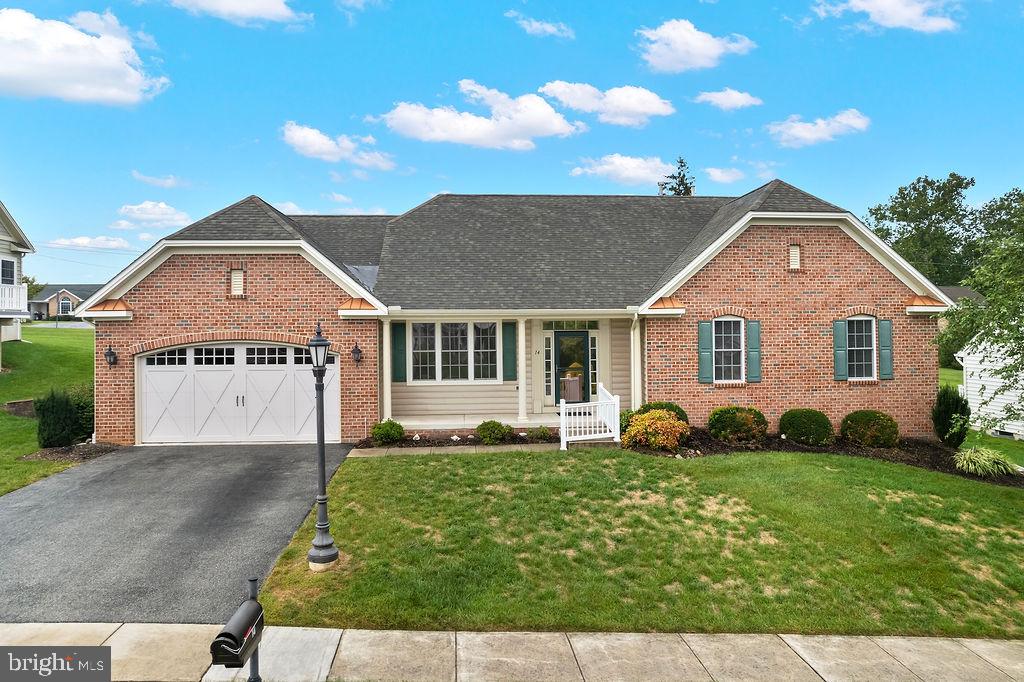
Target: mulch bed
(408, 442)
(74, 453)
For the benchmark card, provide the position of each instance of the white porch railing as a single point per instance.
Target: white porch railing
(596, 420)
(14, 297)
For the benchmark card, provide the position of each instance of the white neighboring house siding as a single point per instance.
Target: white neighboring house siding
(977, 374)
(10, 330)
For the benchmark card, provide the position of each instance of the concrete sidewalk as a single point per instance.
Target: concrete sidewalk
(181, 652)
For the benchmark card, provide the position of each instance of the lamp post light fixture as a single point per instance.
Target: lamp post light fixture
(110, 355)
(323, 554)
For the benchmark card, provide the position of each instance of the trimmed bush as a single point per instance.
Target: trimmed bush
(492, 432)
(624, 417)
(658, 429)
(809, 427)
(59, 425)
(983, 462)
(951, 416)
(539, 433)
(665, 405)
(82, 399)
(735, 424)
(387, 432)
(871, 428)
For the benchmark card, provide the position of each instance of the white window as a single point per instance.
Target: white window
(860, 347)
(6, 272)
(794, 256)
(454, 351)
(728, 349)
(238, 282)
(65, 306)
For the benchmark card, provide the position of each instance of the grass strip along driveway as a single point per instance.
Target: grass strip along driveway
(52, 358)
(605, 539)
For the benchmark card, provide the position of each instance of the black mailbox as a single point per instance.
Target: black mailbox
(240, 636)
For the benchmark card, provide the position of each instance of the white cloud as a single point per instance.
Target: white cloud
(166, 181)
(724, 175)
(315, 144)
(535, 27)
(340, 198)
(926, 16)
(352, 210)
(146, 237)
(290, 208)
(244, 12)
(628, 105)
(101, 242)
(513, 123)
(625, 170)
(729, 99)
(150, 215)
(90, 59)
(677, 45)
(795, 132)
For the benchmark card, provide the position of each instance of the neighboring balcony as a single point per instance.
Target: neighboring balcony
(13, 300)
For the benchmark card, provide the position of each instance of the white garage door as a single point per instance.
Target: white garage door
(234, 393)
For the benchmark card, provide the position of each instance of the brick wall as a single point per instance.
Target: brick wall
(186, 300)
(796, 309)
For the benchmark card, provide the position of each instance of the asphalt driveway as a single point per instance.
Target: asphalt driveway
(153, 534)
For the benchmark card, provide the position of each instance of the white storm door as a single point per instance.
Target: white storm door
(304, 394)
(167, 383)
(218, 393)
(268, 404)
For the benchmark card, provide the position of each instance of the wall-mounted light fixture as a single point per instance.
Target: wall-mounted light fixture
(357, 353)
(110, 355)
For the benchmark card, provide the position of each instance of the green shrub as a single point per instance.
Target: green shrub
(665, 405)
(870, 428)
(951, 416)
(82, 399)
(492, 432)
(624, 418)
(982, 462)
(541, 433)
(809, 427)
(736, 424)
(59, 425)
(387, 432)
(658, 429)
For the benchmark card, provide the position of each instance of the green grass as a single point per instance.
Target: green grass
(615, 541)
(1013, 449)
(54, 358)
(950, 377)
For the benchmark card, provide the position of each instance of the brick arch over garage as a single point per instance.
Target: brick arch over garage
(215, 337)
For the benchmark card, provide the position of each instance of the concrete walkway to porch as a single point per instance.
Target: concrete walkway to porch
(142, 651)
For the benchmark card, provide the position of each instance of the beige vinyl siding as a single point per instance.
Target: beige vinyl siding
(619, 357)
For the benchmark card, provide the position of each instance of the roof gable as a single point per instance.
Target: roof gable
(11, 227)
(250, 218)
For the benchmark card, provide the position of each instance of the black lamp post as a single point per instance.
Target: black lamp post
(323, 554)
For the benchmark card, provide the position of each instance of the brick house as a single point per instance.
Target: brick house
(471, 307)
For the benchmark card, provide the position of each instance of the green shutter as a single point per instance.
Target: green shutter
(705, 361)
(839, 350)
(398, 351)
(508, 351)
(885, 349)
(753, 351)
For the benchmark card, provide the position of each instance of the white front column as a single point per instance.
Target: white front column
(385, 398)
(635, 371)
(521, 367)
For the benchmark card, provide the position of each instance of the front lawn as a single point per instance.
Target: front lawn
(950, 377)
(605, 539)
(54, 358)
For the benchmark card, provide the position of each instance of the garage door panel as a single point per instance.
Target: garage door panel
(217, 404)
(305, 405)
(269, 412)
(168, 397)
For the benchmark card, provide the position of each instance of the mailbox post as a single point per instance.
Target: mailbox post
(239, 640)
(323, 554)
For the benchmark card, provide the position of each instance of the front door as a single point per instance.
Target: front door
(572, 353)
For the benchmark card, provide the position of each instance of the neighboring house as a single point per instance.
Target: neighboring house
(957, 294)
(471, 307)
(14, 244)
(60, 299)
(980, 384)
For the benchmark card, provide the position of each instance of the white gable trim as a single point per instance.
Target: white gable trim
(13, 229)
(149, 261)
(847, 222)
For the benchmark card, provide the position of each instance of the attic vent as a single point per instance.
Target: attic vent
(238, 282)
(794, 256)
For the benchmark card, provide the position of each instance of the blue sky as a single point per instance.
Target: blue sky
(120, 121)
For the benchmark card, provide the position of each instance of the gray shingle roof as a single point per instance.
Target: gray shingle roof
(956, 293)
(514, 251)
(82, 291)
